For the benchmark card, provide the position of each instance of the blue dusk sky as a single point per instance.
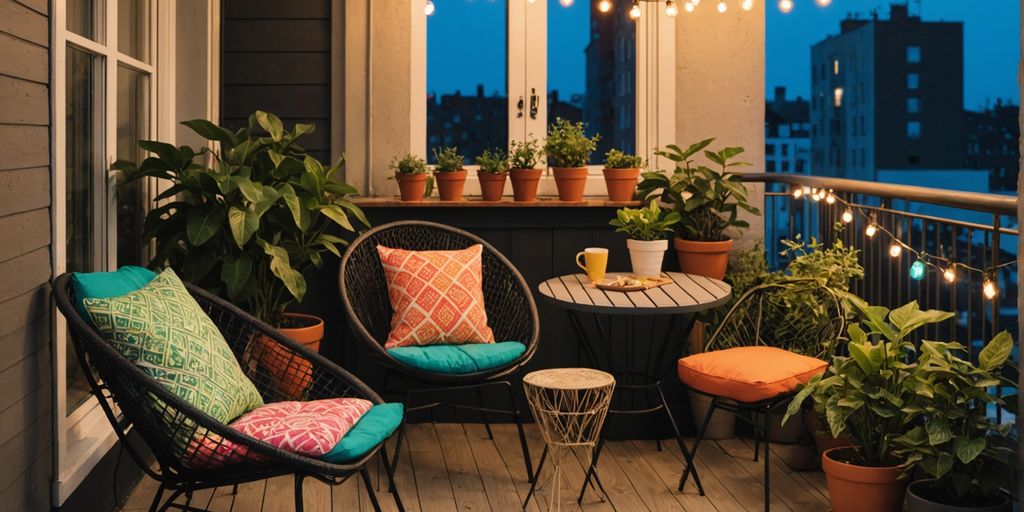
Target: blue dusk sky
(466, 43)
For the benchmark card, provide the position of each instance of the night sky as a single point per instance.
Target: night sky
(466, 43)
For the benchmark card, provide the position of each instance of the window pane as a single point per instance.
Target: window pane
(133, 28)
(85, 18)
(132, 126)
(591, 71)
(467, 92)
(83, 170)
(913, 54)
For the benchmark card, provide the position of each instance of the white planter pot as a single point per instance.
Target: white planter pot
(646, 256)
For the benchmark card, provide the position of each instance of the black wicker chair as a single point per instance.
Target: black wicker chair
(511, 313)
(767, 315)
(184, 439)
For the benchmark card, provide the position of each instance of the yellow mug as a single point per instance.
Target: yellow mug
(596, 259)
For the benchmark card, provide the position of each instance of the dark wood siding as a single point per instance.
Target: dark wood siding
(277, 58)
(25, 405)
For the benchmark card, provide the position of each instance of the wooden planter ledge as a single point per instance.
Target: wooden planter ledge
(475, 202)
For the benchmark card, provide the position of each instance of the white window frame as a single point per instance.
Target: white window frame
(655, 84)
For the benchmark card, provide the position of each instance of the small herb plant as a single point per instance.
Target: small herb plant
(408, 164)
(448, 160)
(492, 162)
(645, 224)
(525, 154)
(616, 159)
(567, 144)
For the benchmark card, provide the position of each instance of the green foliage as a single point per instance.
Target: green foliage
(836, 265)
(644, 223)
(448, 160)
(708, 200)
(493, 162)
(955, 442)
(525, 154)
(616, 159)
(567, 144)
(408, 164)
(877, 393)
(246, 221)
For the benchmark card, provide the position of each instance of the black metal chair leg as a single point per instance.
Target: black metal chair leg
(365, 474)
(757, 434)
(234, 489)
(696, 444)
(298, 492)
(767, 466)
(687, 456)
(156, 498)
(530, 475)
(170, 501)
(390, 469)
(483, 414)
(533, 484)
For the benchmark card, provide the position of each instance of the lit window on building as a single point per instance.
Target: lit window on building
(835, 66)
(913, 105)
(837, 97)
(913, 81)
(913, 54)
(914, 129)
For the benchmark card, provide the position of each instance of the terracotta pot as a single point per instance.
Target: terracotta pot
(450, 184)
(858, 488)
(291, 374)
(492, 186)
(412, 186)
(646, 256)
(524, 184)
(722, 424)
(708, 259)
(570, 182)
(918, 500)
(621, 183)
(823, 439)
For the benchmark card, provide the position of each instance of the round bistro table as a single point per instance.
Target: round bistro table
(681, 299)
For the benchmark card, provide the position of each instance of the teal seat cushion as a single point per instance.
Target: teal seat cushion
(459, 359)
(375, 426)
(107, 285)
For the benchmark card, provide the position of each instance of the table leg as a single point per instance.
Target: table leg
(533, 485)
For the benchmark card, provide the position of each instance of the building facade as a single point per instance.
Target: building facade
(787, 146)
(991, 144)
(610, 104)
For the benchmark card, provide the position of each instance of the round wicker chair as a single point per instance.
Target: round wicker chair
(184, 440)
(511, 312)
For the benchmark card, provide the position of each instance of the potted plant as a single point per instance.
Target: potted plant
(871, 396)
(620, 174)
(492, 173)
(524, 156)
(647, 228)
(449, 173)
(414, 182)
(568, 149)
(966, 456)
(709, 201)
(247, 225)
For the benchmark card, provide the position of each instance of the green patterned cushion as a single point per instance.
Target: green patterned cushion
(162, 329)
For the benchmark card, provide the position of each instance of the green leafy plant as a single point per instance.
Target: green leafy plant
(408, 164)
(837, 265)
(956, 442)
(708, 200)
(525, 154)
(448, 160)
(567, 144)
(615, 159)
(875, 394)
(646, 224)
(247, 220)
(493, 162)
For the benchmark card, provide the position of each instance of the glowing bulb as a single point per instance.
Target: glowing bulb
(798, 193)
(949, 274)
(824, 3)
(918, 270)
(429, 8)
(747, 5)
(816, 194)
(604, 5)
(871, 230)
(635, 12)
(671, 9)
(689, 6)
(786, 5)
(830, 199)
(695, 2)
(722, 6)
(895, 249)
(565, 3)
(847, 217)
(988, 288)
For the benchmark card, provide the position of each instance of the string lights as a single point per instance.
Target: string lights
(672, 6)
(918, 270)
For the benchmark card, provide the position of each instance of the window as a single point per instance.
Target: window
(837, 97)
(913, 105)
(769, 149)
(914, 129)
(785, 166)
(913, 81)
(913, 54)
(785, 149)
(835, 66)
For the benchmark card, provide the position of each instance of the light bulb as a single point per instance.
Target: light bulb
(918, 270)
(895, 249)
(695, 2)
(747, 5)
(722, 6)
(604, 5)
(988, 288)
(786, 5)
(635, 12)
(871, 230)
(689, 6)
(565, 3)
(429, 8)
(798, 192)
(830, 199)
(824, 3)
(949, 274)
(847, 216)
(671, 9)
(816, 194)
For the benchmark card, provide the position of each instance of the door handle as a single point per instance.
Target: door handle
(534, 103)
(519, 107)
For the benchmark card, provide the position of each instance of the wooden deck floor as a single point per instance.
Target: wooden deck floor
(450, 466)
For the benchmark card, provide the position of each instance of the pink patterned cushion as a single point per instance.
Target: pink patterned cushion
(437, 296)
(306, 428)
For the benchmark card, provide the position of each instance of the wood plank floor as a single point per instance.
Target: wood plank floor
(452, 466)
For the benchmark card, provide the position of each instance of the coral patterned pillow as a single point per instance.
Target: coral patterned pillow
(306, 428)
(437, 296)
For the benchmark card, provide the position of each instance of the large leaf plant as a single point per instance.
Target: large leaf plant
(246, 220)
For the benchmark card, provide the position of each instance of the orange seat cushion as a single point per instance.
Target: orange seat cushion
(748, 374)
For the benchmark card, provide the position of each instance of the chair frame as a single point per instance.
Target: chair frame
(511, 312)
(751, 411)
(160, 417)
